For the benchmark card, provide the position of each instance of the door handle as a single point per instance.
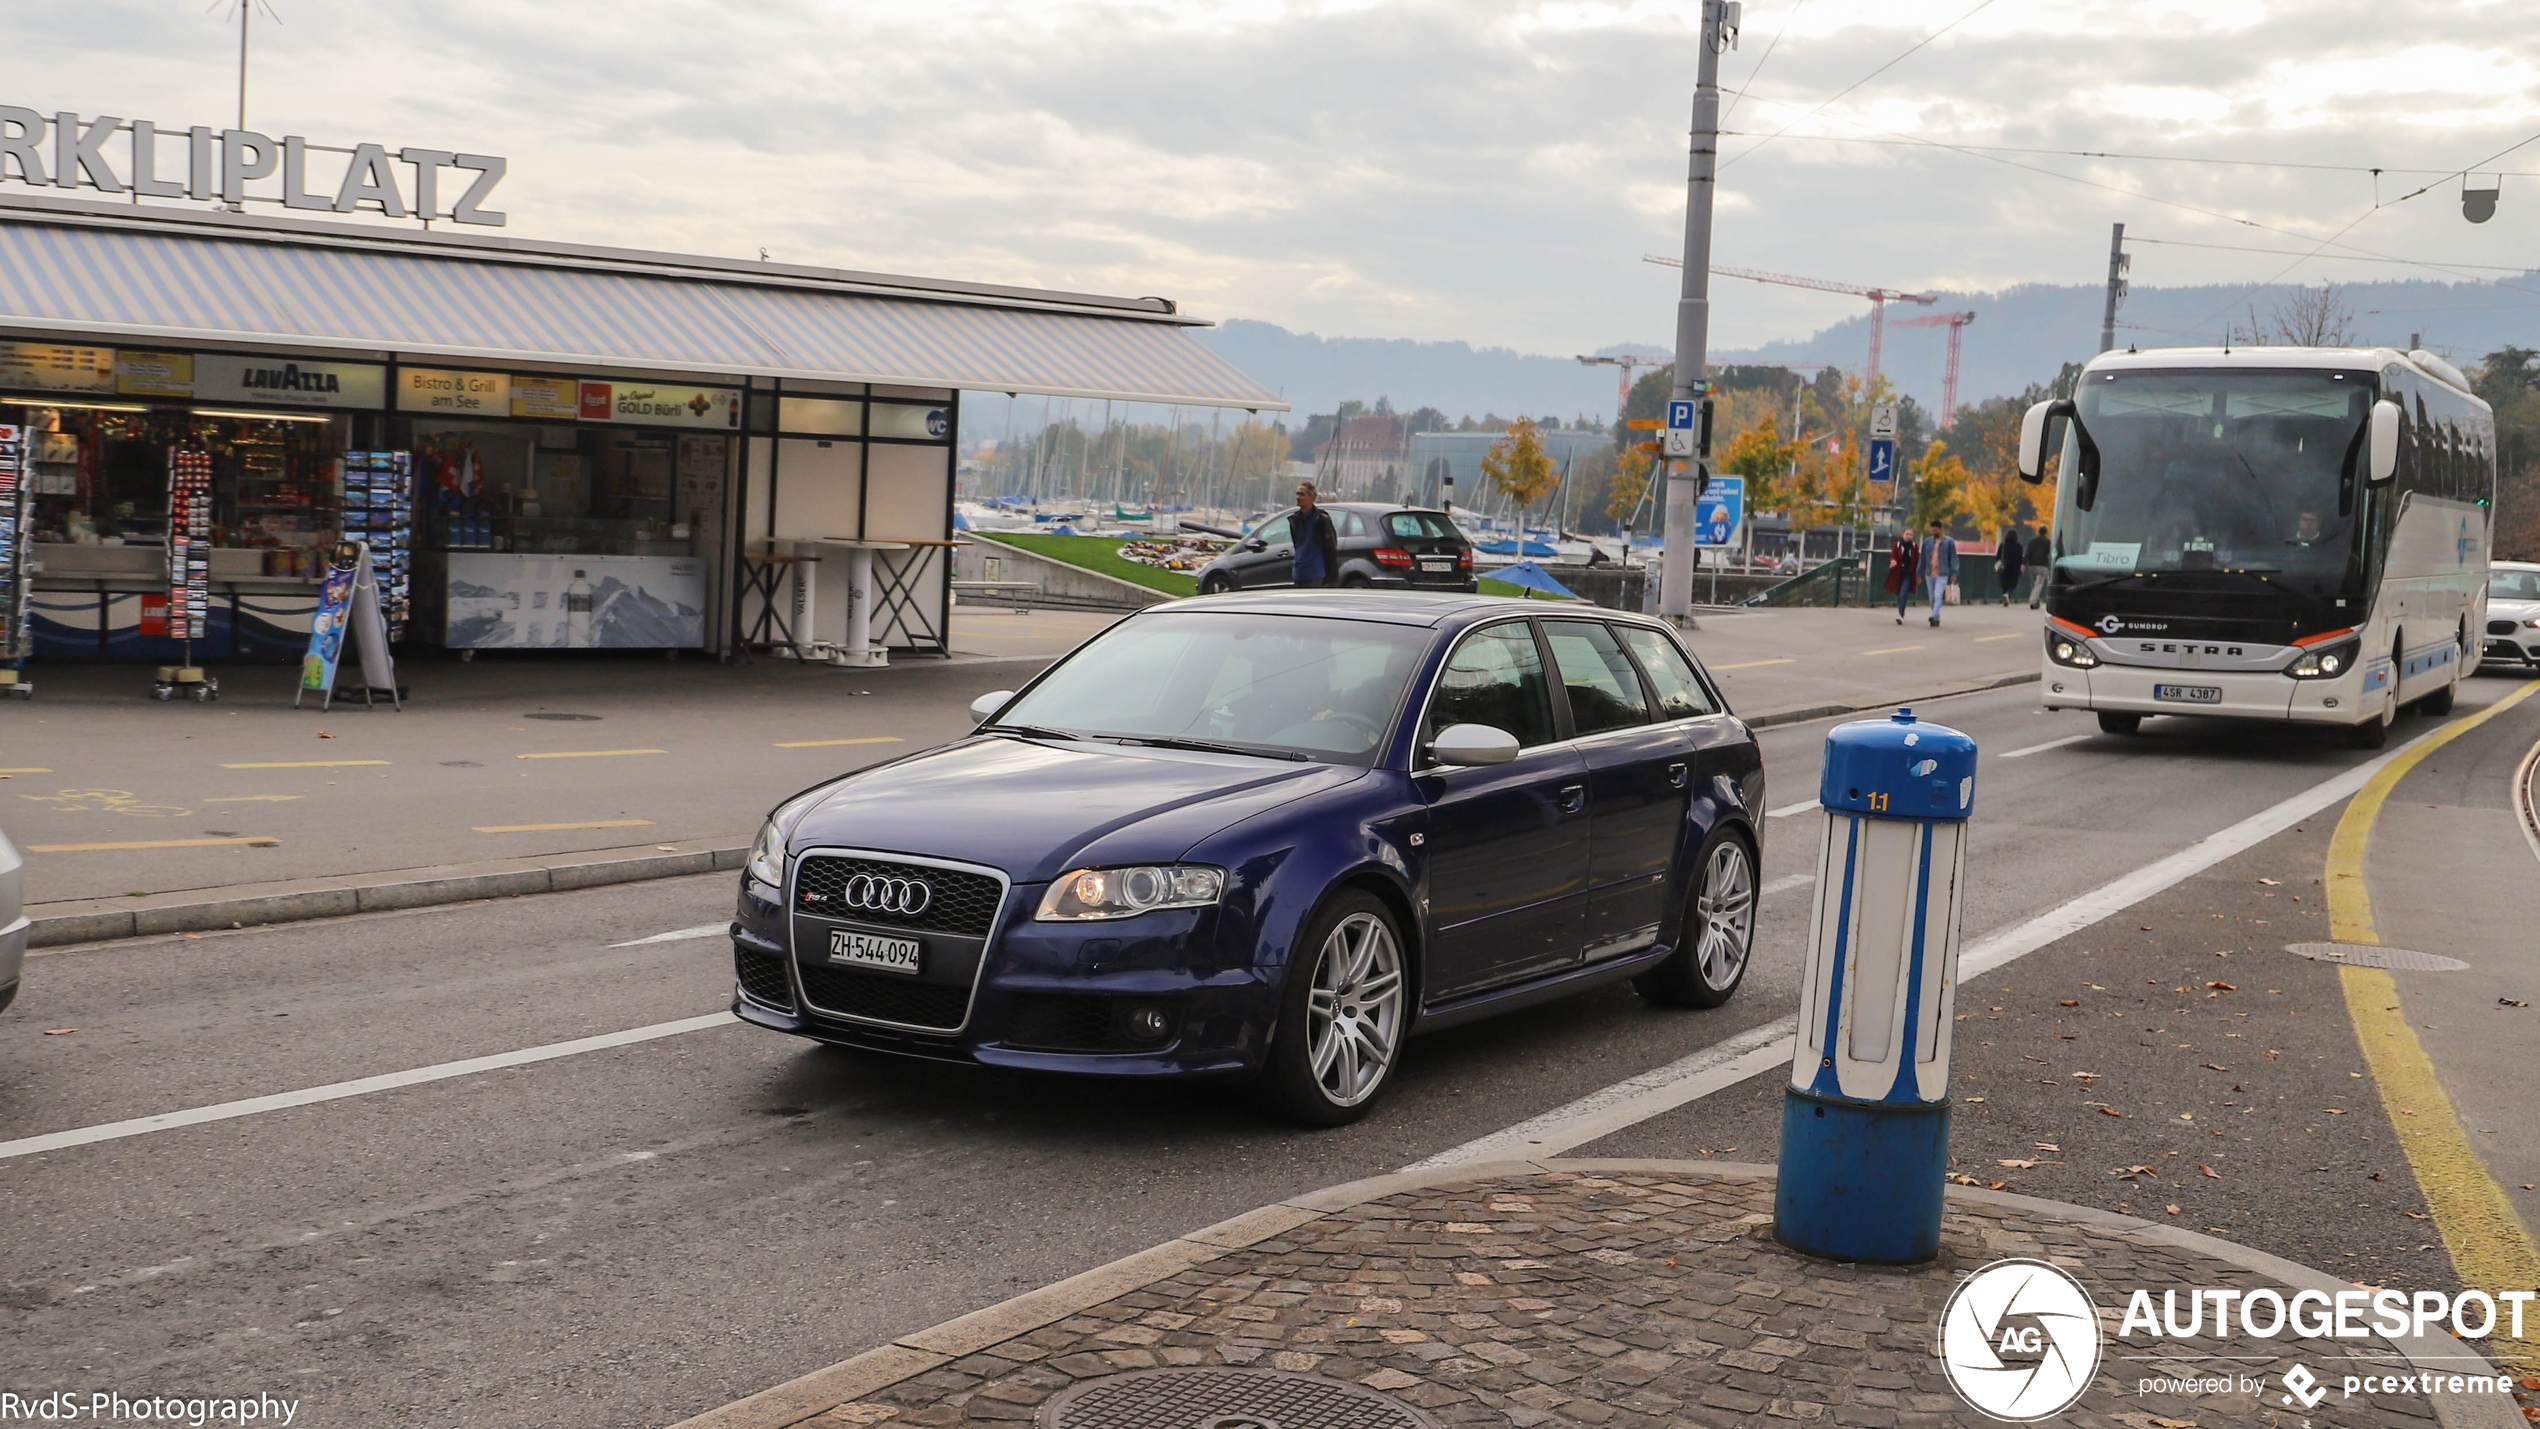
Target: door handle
(1675, 776)
(1573, 798)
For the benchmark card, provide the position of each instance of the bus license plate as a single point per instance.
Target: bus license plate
(2189, 694)
(891, 955)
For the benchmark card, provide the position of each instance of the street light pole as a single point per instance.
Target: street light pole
(1685, 477)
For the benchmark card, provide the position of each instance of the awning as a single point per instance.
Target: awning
(290, 286)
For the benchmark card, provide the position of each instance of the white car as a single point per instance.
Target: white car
(13, 923)
(2513, 614)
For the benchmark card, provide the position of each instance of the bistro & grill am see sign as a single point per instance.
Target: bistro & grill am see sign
(241, 166)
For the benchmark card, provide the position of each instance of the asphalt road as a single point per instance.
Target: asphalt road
(633, 1235)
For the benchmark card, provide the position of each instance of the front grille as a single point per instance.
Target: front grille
(762, 978)
(884, 997)
(1060, 1022)
(2500, 627)
(957, 901)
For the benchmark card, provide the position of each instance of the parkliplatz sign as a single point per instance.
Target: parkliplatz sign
(241, 166)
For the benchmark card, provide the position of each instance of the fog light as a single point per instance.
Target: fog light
(2329, 703)
(1146, 1024)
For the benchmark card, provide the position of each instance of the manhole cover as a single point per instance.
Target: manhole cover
(2368, 955)
(543, 715)
(1225, 1399)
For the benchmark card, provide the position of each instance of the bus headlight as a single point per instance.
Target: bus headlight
(2325, 662)
(2069, 650)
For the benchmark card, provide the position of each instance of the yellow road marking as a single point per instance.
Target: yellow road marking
(2489, 1244)
(548, 828)
(256, 799)
(2013, 635)
(1892, 650)
(307, 764)
(30, 769)
(1752, 664)
(149, 843)
(589, 753)
(825, 743)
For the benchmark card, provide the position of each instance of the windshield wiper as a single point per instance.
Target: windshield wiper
(1029, 731)
(1207, 746)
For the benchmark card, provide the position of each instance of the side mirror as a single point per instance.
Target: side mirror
(2383, 462)
(1255, 546)
(1473, 744)
(2033, 429)
(986, 706)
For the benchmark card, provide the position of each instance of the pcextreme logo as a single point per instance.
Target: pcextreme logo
(2020, 1340)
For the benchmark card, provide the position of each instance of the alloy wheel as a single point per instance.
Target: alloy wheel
(1354, 1012)
(1726, 908)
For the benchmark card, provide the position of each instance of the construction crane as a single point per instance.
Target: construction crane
(1879, 297)
(1627, 362)
(1949, 383)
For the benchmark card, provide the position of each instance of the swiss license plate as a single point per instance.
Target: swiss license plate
(2189, 694)
(1437, 563)
(891, 955)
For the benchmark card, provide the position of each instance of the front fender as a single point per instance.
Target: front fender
(1283, 862)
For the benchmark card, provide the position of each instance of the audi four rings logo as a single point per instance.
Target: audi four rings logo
(874, 893)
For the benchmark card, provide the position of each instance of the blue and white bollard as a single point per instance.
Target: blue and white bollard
(1865, 1120)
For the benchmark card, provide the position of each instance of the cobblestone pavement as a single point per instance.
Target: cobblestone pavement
(1625, 1301)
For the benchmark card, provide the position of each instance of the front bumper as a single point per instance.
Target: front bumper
(2520, 648)
(1050, 997)
(2245, 694)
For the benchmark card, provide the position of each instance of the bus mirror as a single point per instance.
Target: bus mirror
(2033, 434)
(2384, 456)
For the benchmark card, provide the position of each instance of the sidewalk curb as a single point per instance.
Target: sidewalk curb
(909, 1356)
(1804, 713)
(93, 920)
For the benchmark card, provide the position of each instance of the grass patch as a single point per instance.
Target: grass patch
(1100, 554)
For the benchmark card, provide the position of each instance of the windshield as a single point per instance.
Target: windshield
(2213, 471)
(1282, 684)
(2504, 584)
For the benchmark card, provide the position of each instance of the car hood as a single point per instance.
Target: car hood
(2512, 609)
(1032, 808)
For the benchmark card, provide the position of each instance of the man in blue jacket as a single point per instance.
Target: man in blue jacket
(1312, 537)
(1939, 567)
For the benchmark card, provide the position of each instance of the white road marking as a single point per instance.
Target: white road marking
(1786, 810)
(1601, 1113)
(702, 930)
(363, 1086)
(2042, 748)
(1785, 883)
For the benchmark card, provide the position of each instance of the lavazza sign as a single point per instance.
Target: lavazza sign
(68, 152)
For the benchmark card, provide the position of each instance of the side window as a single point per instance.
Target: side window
(1495, 678)
(1604, 690)
(1348, 524)
(1680, 694)
(1273, 532)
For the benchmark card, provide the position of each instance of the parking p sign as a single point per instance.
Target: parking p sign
(1682, 415)
(1719, 511)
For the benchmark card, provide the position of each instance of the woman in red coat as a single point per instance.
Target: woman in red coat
(1902, 557)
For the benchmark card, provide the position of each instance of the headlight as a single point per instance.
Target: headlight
(2533, 622)
(2069, 650)
(1084, 894)
(767, 852)
(2325, 662)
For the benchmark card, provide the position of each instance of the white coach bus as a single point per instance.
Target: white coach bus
(2265, 533)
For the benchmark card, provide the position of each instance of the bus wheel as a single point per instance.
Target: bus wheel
(2438, 703)
(2111, 722)
(2374, 732)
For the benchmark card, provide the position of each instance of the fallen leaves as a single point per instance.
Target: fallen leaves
(2051, 1146)
(2416, 1215)
(2337, 1111)
(2110, 1111)
(2076, 1002)
(2174, 1423)
(59, 1031)
(2272, 1055)
(2220, 986)
(2500, 1002)
(2213, 1067)
(2173, 1210)
(2208, 1170)
(2018, 1163)
(322, 734)
(2272, 882)
(1974, 1099)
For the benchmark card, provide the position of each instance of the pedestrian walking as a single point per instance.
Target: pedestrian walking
(1939, 566)
(1902, 557)
(2009, 559)
(2041, 564)
(1312, 537)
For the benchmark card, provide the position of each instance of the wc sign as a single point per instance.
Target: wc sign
(240, 166)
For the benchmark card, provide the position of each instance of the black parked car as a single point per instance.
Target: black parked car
(1272, 837)
(1406, 547)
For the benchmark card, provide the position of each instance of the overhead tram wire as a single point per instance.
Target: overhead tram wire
(2348, 257)
(2117, 154)
(1980, 7)
(1738, 96)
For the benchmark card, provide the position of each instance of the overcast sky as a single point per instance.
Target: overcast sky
(1486, 170)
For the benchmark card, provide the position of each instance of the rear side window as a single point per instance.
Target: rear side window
(1420, 523)
(1348, 523)
(1604, 689)
(1495, 678)
(1680, 694)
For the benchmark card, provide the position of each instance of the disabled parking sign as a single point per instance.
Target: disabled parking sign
(1719, 510)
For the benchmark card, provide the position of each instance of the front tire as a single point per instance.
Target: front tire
(2111, 722)
(1215, 583)
(2374, 732)
(1342, 1015)
(1717, 936)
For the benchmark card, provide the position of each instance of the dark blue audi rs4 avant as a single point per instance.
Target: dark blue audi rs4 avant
(1272, 835)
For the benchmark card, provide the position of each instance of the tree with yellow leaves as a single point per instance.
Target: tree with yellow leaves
(1761, 456)
(1941, 488)
(1631, 483)
(1519, 466)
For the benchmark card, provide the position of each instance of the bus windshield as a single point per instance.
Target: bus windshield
(2213, 470)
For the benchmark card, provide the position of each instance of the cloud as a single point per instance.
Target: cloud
(1488, 170)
